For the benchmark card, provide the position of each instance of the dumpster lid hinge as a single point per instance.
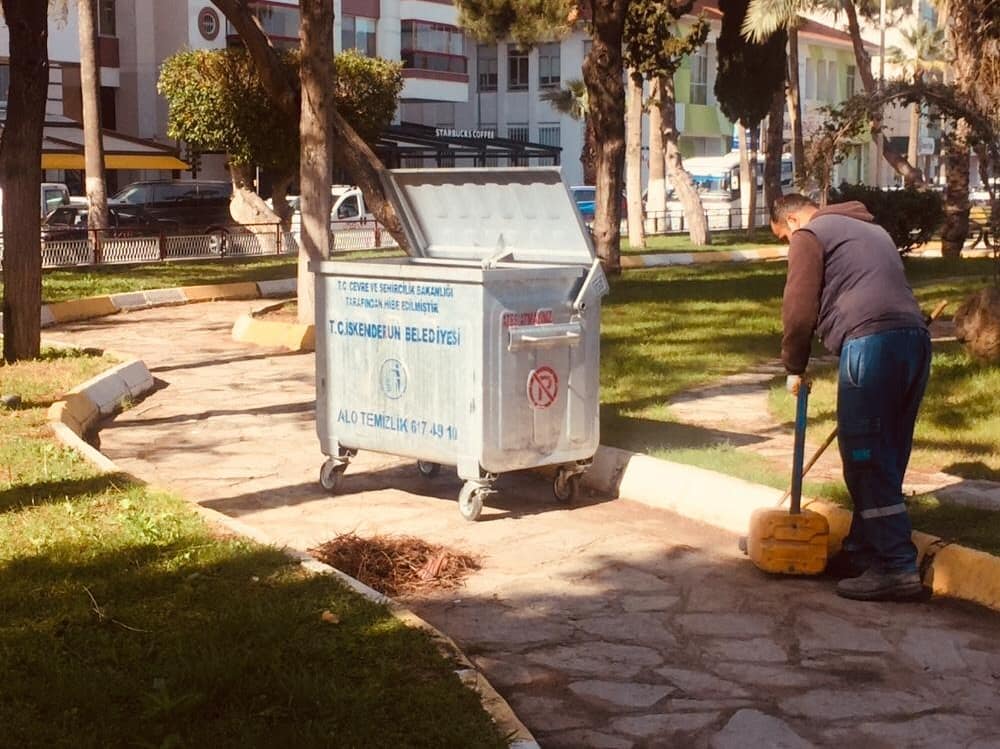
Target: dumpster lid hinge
(501, 254)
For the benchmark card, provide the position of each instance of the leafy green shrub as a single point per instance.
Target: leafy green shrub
(910, 216)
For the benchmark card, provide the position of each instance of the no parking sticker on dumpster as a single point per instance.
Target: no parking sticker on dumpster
(543, 387)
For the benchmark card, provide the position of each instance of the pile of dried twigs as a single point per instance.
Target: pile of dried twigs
(396, 565)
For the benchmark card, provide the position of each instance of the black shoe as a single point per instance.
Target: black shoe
(844, 564)
(881, 586)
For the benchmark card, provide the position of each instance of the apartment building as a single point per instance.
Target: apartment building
(458, 93)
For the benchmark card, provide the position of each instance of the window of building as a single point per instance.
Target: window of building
(810, 79)
(280, 23)
(106, 21)
(432, 46)
(699, 77)
(4, 84)
(358, 32)
(518, 133)
(851, 72)
(821, 86)
(831, 78)
(548, 66)
(549, 135)
(487, 67)
(517, 69)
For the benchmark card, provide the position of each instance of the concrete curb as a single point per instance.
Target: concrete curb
(949, 569)
(77, 413)
(250, 328)
(660, 260)
(110, 304)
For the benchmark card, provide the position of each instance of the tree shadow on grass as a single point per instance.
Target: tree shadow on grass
(213, 643)
(22, 496)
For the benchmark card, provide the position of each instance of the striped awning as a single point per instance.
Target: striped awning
(62, 148)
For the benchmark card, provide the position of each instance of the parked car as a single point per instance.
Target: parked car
(186, 206)
(69, 222)
(585, 195)
(51, 195)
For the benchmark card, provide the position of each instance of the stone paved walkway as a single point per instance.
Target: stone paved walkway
(739, 405)
(608, 624)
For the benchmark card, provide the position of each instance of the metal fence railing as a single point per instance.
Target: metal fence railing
(108, 247)
(673, 221)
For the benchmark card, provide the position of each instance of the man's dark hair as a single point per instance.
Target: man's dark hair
(788, 204)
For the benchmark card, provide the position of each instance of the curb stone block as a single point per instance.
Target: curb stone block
(282, 287)
(47, 317)
(130, 300)
(81, 411)
(82, 309)
(156, 297)
(274, 334)
(137, 377)
(215, 292)
(106, 392)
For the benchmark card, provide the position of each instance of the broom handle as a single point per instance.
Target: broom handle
(833, 435)
(798, 454)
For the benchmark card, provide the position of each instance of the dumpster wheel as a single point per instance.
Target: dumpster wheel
(330, 474)
(566, 486)
(470, 500)
(427, 469)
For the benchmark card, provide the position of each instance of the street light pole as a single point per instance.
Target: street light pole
(881, 85)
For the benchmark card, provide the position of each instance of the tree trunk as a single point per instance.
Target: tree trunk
(359, 160)
(316, 163)
(748, 179)
(588, 155)
(21, 177)
(956, 196)
(912, 153)
(633, 165)
(93, 143)
(279, 198)
(656, 186)
(910, 174)
(795, 107)
(680, 180)
(775, 148)
(602, 72)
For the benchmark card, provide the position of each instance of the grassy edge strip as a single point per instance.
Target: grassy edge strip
(949, 569)
(111, 304)
(70, 431)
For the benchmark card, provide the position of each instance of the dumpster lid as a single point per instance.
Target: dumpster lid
(511, 214)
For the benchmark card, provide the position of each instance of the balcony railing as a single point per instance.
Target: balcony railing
(439, 62)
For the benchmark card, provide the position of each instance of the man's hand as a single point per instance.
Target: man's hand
(793, 383)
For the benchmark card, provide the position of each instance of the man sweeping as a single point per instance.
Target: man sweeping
(847, 285)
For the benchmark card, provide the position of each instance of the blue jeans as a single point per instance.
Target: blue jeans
(882, 381)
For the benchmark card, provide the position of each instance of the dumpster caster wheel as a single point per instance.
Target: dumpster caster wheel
(470, 501)
(331, 473)
(566, 487)
(427, 469)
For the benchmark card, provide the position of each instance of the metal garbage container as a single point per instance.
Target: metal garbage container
(479, 350)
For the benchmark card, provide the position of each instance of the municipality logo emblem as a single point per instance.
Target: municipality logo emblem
(392, 378)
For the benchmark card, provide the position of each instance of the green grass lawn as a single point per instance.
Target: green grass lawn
(71, 283)
(721, 240)
(671, 329)
(126, 621)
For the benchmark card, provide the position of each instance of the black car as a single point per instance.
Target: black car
(69, 222)
(186, 206)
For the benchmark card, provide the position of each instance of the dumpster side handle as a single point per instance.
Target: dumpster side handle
(545, 336)
(595, 283)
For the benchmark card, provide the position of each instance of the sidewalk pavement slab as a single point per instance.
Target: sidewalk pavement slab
(232, 428)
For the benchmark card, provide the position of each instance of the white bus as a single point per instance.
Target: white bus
(718, 181)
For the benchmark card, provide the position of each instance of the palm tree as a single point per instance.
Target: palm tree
(93, 144)
(923, 53)
(574, 101)
(764, 17)
(633, 160)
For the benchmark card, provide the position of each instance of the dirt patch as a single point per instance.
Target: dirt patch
(397, 565)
